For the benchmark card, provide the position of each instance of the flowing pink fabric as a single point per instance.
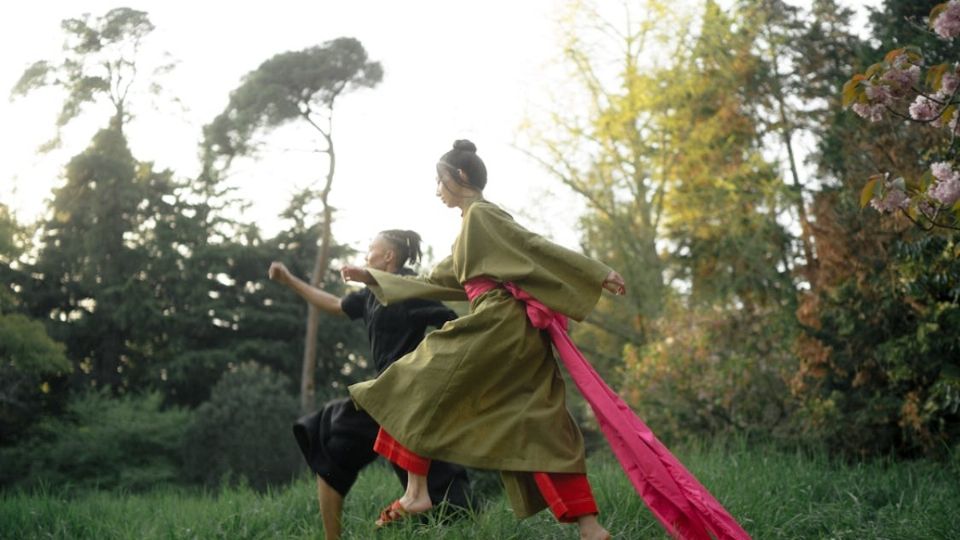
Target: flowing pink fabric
(685, 508)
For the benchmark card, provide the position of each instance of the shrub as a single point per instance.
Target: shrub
(29, 362)
(107, 442)
(715, 372)
(243, 433)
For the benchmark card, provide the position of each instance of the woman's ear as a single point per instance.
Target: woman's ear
(463, 177)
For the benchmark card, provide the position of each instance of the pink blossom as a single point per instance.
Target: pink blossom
(901, 80)
(925, 207)
(943, 171)
(947, 192)
(947, 24)
(873, 113)
(878, 93)
(924, 109)
(901, 61)
(892, 201)
(949, 84)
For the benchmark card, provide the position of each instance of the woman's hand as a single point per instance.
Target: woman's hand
(356, 273)
(278, 272)
(614, 283)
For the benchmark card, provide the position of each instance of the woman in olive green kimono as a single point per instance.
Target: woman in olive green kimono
(485, 390)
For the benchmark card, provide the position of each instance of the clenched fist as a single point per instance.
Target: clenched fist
(278, 272)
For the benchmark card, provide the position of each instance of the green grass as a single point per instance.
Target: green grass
(774, 495)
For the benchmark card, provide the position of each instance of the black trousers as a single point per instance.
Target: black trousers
(337, 442)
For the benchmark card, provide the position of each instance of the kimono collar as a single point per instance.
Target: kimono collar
(463, 212)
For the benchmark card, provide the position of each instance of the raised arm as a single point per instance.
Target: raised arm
(441, 284)
(322, 300)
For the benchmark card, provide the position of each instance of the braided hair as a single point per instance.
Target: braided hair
(406, 243)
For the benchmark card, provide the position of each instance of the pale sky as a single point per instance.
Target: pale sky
(452, 69)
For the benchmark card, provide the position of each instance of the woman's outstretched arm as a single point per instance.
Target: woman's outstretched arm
(440, 285)
(322, 300)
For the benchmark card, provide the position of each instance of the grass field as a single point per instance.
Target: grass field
(774, 495)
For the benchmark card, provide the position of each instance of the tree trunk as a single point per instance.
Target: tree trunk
(801, 207)
(308, 386)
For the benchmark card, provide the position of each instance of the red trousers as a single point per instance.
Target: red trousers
(568, 494)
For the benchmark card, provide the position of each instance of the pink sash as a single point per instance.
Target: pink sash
(685, 508)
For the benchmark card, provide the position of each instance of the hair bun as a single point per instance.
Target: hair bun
(464, 144)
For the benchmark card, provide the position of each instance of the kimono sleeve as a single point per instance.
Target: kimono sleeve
(492, 244)
(440, 285)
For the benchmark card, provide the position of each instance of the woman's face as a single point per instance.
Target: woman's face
(380, 254)
(451, 193)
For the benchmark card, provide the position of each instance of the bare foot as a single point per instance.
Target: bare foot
(415, 505)
(400, 509)
(590, 529)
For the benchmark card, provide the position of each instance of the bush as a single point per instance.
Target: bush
(880, 355)
(101, 442)
(29, 362)
(243, 433)
(715, 372)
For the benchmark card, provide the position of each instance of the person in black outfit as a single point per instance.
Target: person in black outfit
(337, 441)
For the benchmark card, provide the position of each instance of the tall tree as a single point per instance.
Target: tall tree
(91, 264)
(94, 255)
(100, 62)
(603, 144)
(297, 86)
(725, 197)
(777, 26)
(731, 256)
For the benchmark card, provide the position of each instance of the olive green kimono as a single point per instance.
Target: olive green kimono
(485, 390)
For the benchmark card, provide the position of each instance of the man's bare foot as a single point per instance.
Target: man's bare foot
(590, 528)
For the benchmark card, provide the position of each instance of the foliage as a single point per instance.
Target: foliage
(239, 432)
(681, 199)
(241, 316)
(91, 273)
(101, 59)
(29, 362)
(102, 442)
(141, 275)
(32, 365)
(871, 352)
(11, 236)
(604, 142)
(290, 86)
(91, 279)
(725, 198)
(703, 378)
(907, 84)
(879, 368)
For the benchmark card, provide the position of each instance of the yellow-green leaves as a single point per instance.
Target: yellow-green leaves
(869, 189)
(934, 77)
(936, 11)
(852, 89)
